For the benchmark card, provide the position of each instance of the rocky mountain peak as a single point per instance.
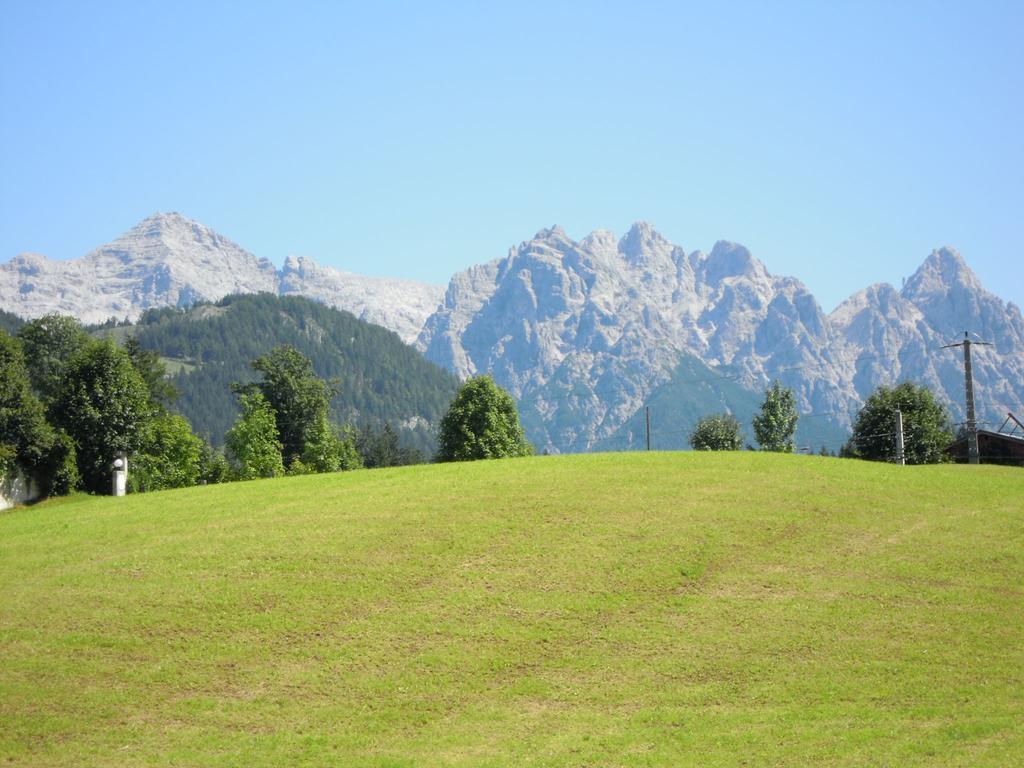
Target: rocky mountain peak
(729, 260)
(552, 233)
(944, 270)
(643, 246)
(168, 259)
(640, 236)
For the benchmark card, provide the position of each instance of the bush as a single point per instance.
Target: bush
(213, 465)
(720, 432)
(57, 473)
(327, 450)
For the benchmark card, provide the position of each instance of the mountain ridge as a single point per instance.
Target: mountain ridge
(168, 259)
(556, 319)
(584, 333)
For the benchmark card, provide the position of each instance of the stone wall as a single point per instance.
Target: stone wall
(17, 489)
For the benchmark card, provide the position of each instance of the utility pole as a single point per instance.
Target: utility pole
(972, 424)
(647, 414)
(900, 457)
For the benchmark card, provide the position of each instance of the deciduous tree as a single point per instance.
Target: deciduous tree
(298, 398)
(252, 443)
(775, 425)
(103, 404)
(49, 343)
(482, 423)
(169, 456)
(927, 427)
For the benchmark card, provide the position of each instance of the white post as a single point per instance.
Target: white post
(120, 487)
(901, 459)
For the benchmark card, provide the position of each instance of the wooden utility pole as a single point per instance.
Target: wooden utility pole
(647, 414)
(900, 457)
(972, 425)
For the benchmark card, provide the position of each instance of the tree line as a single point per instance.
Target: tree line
(70, 403)
(927, 426)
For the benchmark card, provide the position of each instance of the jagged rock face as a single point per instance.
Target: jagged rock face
(582, 332)
(885, 336)
(169, 260)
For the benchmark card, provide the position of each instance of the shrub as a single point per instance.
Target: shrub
(720, 432)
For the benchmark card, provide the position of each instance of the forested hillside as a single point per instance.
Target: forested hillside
(209, 346)
(10, 323)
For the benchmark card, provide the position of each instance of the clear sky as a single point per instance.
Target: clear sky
(840, 142)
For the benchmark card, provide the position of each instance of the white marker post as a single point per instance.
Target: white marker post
(120, 475)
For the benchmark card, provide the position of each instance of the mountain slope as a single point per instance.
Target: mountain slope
(169, 260)
(211, 345)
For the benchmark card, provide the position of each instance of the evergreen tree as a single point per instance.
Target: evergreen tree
(482, 423)
(10, 323)
(252, 443)
(927, 427)
(380, 378)
(775, 425)
(720, 432)
(153, 371)
(383, 448)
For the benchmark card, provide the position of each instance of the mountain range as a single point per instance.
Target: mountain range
(586, 334)
(169, 260)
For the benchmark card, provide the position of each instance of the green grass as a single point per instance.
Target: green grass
(633, 609)
(175, 366)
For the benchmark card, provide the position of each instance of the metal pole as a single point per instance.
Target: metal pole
(647, 413)
(972, 424)
(900, 457)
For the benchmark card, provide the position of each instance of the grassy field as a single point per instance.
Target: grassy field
(617, 609)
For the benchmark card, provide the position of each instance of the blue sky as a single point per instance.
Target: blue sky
(840, 142)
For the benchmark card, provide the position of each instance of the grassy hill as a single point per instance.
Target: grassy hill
(607, 609)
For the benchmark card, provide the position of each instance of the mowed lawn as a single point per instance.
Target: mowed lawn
(618, 609)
